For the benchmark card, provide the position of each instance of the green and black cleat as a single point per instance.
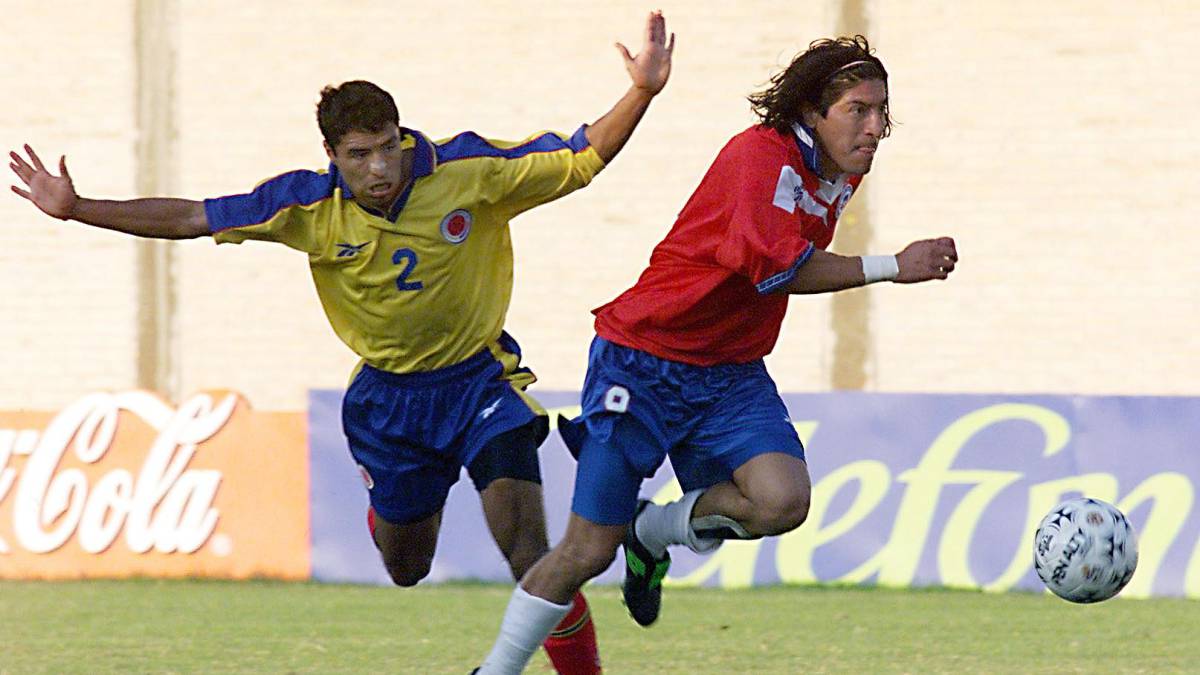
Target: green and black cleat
(642, 588)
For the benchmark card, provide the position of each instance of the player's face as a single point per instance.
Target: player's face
(849, 133)
(371, 163)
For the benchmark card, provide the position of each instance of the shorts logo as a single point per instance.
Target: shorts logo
(487, 412)
(616, 399)
(456, 226)
(366, 476)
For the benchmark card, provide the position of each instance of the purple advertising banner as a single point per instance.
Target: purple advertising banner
(908, 490)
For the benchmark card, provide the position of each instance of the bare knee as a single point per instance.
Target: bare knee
(585, 560)
(407, 572)
(408, 568)
(777, 488)
(407, 548)
(586, 550)
(781, 515)
(405, 577)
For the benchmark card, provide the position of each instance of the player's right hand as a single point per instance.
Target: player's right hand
(55, 195)
(925, 260)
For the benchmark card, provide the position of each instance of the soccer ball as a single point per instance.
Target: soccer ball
(1085, 550)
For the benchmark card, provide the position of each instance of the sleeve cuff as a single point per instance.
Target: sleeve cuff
(775, 282)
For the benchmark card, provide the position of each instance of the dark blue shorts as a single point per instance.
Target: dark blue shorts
(412, 433)
(638, 409)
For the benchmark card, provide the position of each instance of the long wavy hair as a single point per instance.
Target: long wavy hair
(816, 79)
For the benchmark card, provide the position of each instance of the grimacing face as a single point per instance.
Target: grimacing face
(371, 163)
(849, 133)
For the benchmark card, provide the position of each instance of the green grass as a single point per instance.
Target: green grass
(149, 626)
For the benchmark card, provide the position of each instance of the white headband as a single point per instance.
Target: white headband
(849, 65)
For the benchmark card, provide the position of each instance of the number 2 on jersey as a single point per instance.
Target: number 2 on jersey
(408, 258)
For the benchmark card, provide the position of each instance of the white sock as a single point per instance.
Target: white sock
(527, 622)
(661, 525)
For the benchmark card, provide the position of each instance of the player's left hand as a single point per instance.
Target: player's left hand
(652, 66)
(926, 260)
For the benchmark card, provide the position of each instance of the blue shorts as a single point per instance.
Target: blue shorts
(412, 433)
(638, 409)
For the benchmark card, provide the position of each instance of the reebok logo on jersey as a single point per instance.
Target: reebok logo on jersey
(456, 226)
(349, 250)
(487, 412)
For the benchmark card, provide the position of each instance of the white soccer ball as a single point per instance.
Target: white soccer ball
(1085, 550)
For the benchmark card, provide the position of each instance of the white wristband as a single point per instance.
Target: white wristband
(880, 268)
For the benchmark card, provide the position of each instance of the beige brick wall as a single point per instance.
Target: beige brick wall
(67, 319)
(1051, 139)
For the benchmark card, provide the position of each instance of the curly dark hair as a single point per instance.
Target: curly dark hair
(357, 105)
(816, 79)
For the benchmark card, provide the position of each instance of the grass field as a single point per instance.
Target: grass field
(148, 626)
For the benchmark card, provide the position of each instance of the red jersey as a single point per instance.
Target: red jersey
(710, 294)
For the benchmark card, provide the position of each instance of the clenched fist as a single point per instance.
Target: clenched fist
(926, 259)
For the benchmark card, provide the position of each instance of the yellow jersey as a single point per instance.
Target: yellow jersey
(427, 285)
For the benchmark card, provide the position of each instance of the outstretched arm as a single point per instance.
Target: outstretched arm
(56, 196)
(826, 272)
(649, 71)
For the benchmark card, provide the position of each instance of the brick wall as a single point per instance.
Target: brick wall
(67, 318)
(1053, 140)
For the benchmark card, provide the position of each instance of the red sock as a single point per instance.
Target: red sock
(572, 644)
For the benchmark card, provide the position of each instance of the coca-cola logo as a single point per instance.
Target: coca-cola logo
(164, 505)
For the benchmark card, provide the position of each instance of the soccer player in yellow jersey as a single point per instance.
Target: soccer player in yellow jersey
(408, 243)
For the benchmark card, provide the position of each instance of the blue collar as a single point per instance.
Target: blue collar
(806, 141)
(424, 162)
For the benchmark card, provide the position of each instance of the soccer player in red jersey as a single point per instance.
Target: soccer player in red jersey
(676, 368)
